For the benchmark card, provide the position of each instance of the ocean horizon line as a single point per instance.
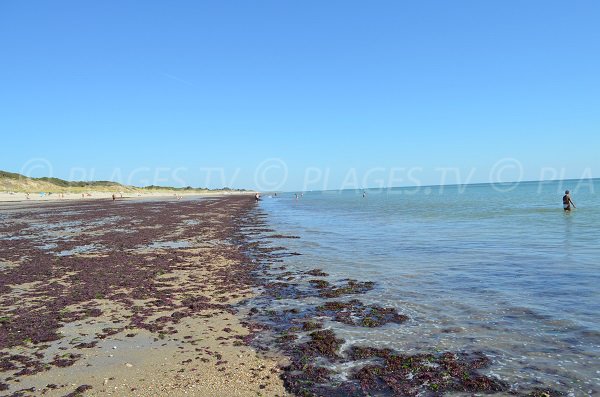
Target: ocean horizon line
(440, 185)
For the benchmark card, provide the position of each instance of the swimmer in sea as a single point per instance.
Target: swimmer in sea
(567, 202)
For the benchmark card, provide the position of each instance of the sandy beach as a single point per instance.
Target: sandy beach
(105, 195)
(129, 298)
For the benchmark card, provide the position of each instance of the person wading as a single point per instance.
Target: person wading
(567, 202)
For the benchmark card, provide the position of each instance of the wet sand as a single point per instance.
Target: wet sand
(129, 298)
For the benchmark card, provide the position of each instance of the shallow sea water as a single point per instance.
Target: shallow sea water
(493, 268)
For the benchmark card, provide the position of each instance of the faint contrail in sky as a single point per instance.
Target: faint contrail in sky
(170, 76)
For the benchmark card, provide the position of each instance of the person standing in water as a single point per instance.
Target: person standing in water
(567, 202)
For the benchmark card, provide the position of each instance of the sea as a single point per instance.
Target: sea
(496, 268)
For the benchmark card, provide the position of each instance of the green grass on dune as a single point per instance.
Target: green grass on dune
(22, 183)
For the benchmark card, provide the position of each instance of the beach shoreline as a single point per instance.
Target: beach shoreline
(133, 298)
(20, 197)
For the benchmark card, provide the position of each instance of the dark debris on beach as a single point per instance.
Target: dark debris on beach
(42, 288)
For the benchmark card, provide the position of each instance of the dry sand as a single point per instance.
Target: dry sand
(94, 195)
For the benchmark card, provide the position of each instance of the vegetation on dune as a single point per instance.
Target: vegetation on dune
(187, 188)
(11, 175)
(11, 181)
(63, 183)
(14, 177)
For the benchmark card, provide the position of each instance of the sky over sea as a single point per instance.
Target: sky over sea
(306, 95)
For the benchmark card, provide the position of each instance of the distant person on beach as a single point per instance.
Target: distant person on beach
(114, 197)
(567, 202)
(257, 197)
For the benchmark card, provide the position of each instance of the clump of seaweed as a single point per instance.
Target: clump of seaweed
(356, 313)
(317, 273)
(320, 284)
(311, 325)
(350, 288)
(322, 343)
(87, 345)
(281, 290)
(79, 391)
(287, 337)
(306, 379)
(282, 236)
(65, 360)
(25, 365)
(386, 372)
(539, 392)
(413, 375)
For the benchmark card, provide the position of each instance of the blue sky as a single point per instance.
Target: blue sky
(267, 94)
